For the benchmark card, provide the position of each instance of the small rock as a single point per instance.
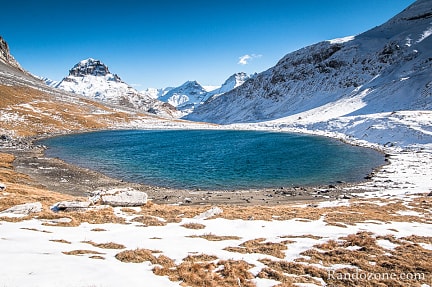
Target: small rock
(209, 213)
(2, 186)
(187, 200)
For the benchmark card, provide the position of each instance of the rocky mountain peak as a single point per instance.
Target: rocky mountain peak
(5, 55)
(92, 67)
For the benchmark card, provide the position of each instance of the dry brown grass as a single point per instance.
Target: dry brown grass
(259, 246)
(408, 257)
(213, 237)
(302, 236)
(172, 214)
(418, 239)
(200, 258)
(98, 229)
(229, 273)
(298, 273)
(129, 210)
(149, 220)
(97, 257)
(142, 255)
(60, 241)
(108, 245)
(192, 225)
(59, 114)
(81, 252)
(35, 229)
(268, 213)
(364, 211)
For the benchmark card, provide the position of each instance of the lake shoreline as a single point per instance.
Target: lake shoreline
(57, 175)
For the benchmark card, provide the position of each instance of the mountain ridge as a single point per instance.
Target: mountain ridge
(353, 74)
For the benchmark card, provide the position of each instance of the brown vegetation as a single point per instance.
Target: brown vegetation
(81, 252)
(259, 246)
(200, 258)
(193, 225)
(224, 273)
(109, 245)
(60, 241)
(149, 220)
(141, 255)
(213, 237)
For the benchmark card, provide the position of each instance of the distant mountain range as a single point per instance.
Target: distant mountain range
(192, 94)
(92, 78)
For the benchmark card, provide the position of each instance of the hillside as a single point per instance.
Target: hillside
(30, 107)
(384, 70)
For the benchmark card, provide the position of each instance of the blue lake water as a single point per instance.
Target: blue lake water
(215, 159)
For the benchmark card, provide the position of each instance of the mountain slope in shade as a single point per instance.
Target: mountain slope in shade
(385, 69)
(91, 78)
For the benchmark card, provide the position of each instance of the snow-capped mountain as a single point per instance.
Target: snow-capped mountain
(231, 83)
(91, 78)
(185, 97)
(192, 94)
(385, 69)
(155, 93)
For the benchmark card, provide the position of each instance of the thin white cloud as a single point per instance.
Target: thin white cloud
(245, 59)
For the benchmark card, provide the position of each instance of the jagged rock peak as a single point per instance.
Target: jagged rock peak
(5, 55)
(91, 67)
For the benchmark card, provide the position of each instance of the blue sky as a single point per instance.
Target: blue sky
(164, 43)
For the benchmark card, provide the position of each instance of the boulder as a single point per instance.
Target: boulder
(120, 197)
(22, 210)
(71, 206)
(2, 186)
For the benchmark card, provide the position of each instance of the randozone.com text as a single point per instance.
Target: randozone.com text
(365, 276)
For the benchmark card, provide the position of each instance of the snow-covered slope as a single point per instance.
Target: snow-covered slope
(91, 78)
(155, 93)
(231, 83)
(383, 70)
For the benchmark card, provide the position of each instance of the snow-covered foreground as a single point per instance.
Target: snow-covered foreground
(31, 251)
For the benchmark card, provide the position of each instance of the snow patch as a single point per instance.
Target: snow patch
(341, 40)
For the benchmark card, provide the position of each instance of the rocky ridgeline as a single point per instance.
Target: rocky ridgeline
(5, 55)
